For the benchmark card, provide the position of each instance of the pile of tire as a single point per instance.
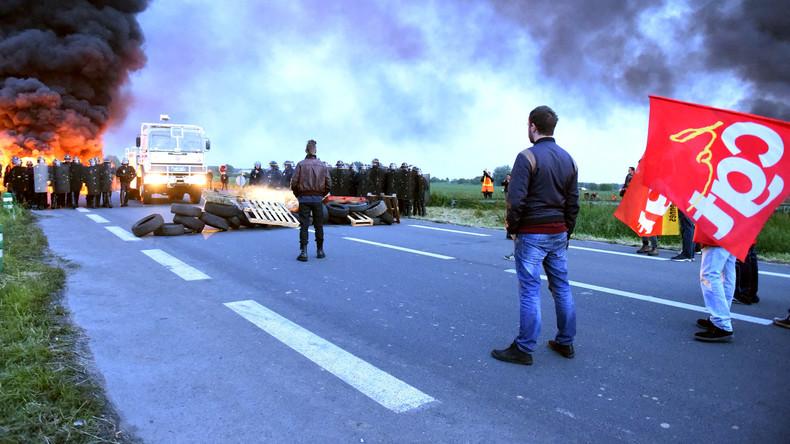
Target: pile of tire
(377, 211)
(192, 219)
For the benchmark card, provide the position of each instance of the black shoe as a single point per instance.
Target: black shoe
(652, 252)
(513, 354)
(782, 322)
(705, 323)
(714, 334)
(302, 256)
(741, 301)
(320, 253)
(643, 250)
(682, 258)
(564, 350)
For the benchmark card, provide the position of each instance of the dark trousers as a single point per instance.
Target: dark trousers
(746, 277)
(74, 199)
(686, 234)
(106, 197)
(41, 200)
(307, 208)
(404, 205)
(124, 194)
(652, 239)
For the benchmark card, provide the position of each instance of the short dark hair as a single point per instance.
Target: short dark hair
(631, 169)
(545, 119)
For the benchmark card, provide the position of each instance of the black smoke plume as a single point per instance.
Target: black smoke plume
(602, 45)
(62, 66)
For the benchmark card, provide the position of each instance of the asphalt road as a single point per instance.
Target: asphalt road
(375, 344)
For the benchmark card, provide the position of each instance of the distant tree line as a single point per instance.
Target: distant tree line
(500, 172)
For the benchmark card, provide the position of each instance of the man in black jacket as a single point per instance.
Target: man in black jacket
(310, 183)
(542, 205)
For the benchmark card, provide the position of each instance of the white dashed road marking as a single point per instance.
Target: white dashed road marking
(451, 231)
(374, 383)
(656, 300)
(98, 219)
(395, 247)
(184, 271)
(83, 210)
(770, 273)
(620, 253)
(123, 234)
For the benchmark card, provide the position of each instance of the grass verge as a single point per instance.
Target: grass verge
(46, 395)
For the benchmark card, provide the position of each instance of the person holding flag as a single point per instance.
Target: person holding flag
(728, 172)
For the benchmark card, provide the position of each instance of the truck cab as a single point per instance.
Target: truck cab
(170, 161)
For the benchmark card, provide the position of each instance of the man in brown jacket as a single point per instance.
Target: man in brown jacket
(310, 183)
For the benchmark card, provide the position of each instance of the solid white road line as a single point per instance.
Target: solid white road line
(395, 247)
(619, 253)
(83, 210)
(96, 218)
(183, 270)
(770, 273)
(374, 383)
(656, 300)
(450, 231)
(123, 234)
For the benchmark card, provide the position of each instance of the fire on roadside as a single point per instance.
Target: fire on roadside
(272, 195)
(9, 147)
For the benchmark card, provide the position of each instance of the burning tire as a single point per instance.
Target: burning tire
(215, 221)
(185, 210)
(234, 222)
(169, 230)
(193, 223)
(147, 225)
(221, 210)
(376, 209)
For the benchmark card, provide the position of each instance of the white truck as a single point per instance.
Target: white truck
(170, 160)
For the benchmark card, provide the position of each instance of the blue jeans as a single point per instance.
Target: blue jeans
(548, 252)
(717, 280)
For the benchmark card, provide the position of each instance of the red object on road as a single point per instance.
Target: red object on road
(345, 199)
(727, 171)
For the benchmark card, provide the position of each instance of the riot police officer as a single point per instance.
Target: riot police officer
(76, 171)
(30, 191)
(288, 173)
(335, 178)
(404, 189)
(389, 180)
(16, 180)
(257, 175)
(105, 183)
(61, 184)
(361, 181)
(90, 177)
(419, 186)
(274, 177)
(67, 165)
(375, 179)
(125, 174)
(40, 182)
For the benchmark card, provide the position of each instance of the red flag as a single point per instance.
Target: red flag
(727, 171)
(645, 211)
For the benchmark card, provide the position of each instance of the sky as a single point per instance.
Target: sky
(444, 85)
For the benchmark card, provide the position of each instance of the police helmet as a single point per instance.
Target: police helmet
(15, 160)
(29, 163)
(392, 166)
(56, 162)
(76, 159)
(289, 163)
(339, 164)
(272, 163)
(375, 162)
(106, 160)
(92, 162)
(125, 162)
(257, 164)
(41, 159)
(404, 165)
(67, 158)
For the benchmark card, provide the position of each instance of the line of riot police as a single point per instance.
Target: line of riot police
(271, 177)
(407, 182)
(30, 183)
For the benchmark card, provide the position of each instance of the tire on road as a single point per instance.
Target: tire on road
(147, 225)
(376, 209)
(245, 220)
(169, 230)
(337, 210)
(215, 221)
(234, 222)
(357, 208)
(193, 223)
(387, 218)
(221, 210)
(185, 210)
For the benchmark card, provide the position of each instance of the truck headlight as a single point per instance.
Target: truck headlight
(155, 179)
(196, 180)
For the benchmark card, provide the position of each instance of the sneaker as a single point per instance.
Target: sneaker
(714, 334)
(682, 258)
(653, 252)
(510, 257)
(513, 354)
(782, 322)
(643, 250)
(741, 301)
(564, 350)
(302, 256)
(705, 323)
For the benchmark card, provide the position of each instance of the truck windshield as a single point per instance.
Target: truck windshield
(161, 140)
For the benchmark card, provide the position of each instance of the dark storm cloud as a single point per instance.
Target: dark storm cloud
(62, 64)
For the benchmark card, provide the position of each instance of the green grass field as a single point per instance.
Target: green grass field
(45, 394)
(463, 204)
